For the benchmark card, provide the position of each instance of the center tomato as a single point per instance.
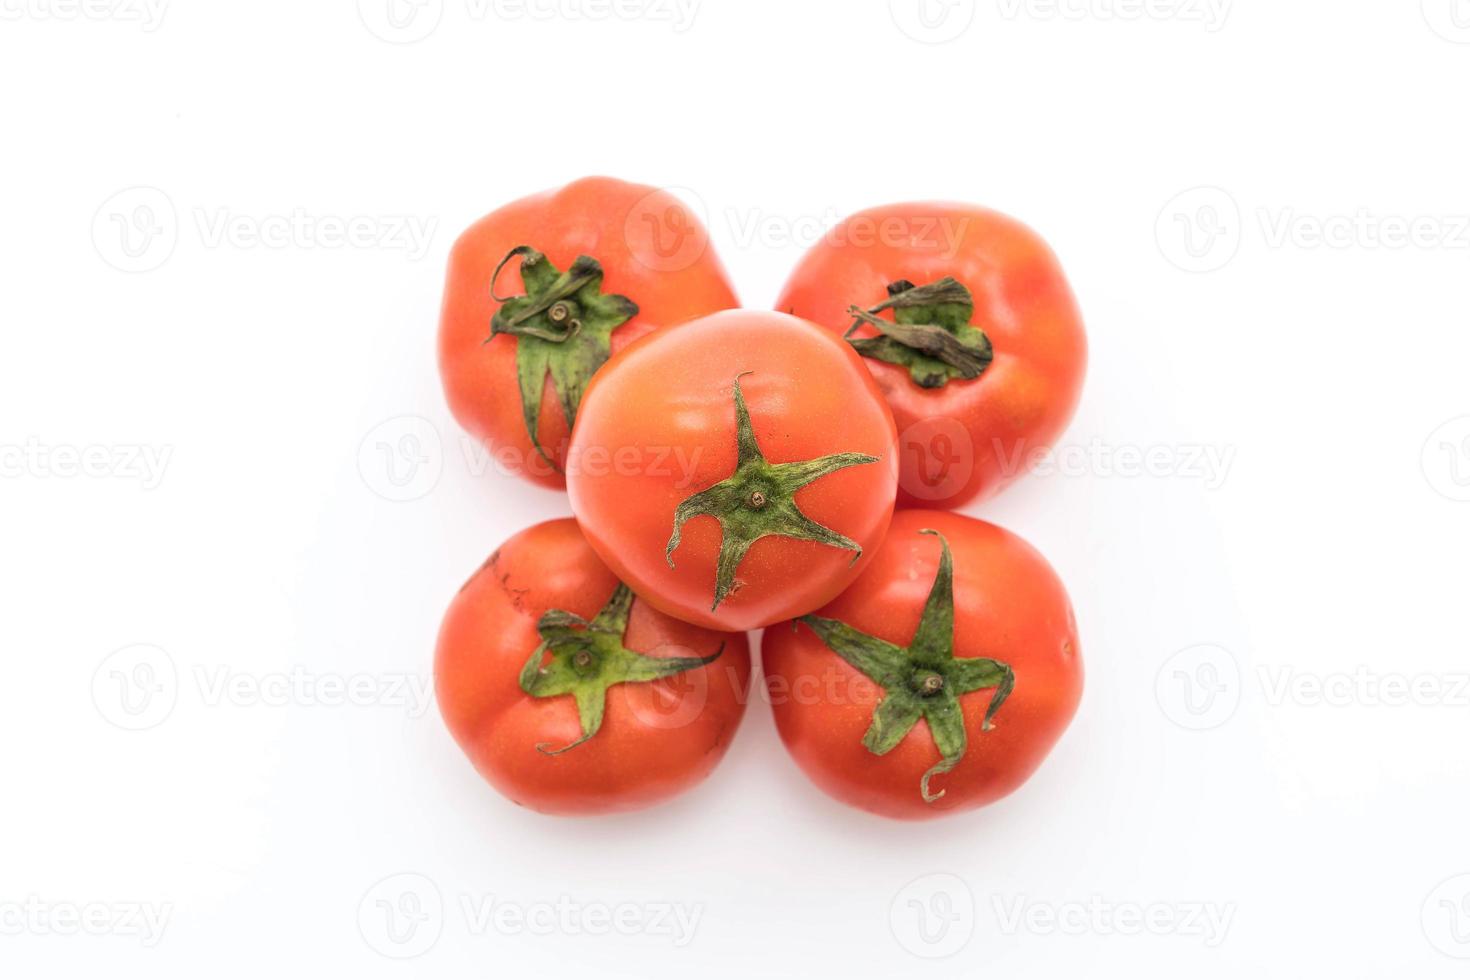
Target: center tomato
(735, 471)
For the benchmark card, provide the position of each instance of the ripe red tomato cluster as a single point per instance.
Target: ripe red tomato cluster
(735, 469)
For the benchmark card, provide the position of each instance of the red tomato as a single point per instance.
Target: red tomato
(965, 319)
(582, 271)
(736, 471)
(922, 691)
(571, 696)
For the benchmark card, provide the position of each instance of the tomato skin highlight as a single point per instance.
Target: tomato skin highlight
(1009, 605)
(651, 249)
(659, 425)
(968, 439)
(657, 739)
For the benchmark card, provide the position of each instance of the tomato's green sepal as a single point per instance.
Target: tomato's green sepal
(930, 333)
(758, 500)
(563, 328)
(923, 680)
(588, 658)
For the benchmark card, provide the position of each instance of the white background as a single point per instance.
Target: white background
(310, 507)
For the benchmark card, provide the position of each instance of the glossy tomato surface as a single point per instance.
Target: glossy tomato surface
(656, 738)
(660, 429)
(1009, 605)
(652, 251)
(967, 438)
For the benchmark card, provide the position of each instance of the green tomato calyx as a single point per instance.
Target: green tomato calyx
(563, 328)
(584, 659)
(757, 501)
(923, 680)
(930, 333)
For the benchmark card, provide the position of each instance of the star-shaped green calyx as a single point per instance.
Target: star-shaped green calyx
(758, 500)
(585, 659)
(923, 680)
(563, 327)
(930, 333)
